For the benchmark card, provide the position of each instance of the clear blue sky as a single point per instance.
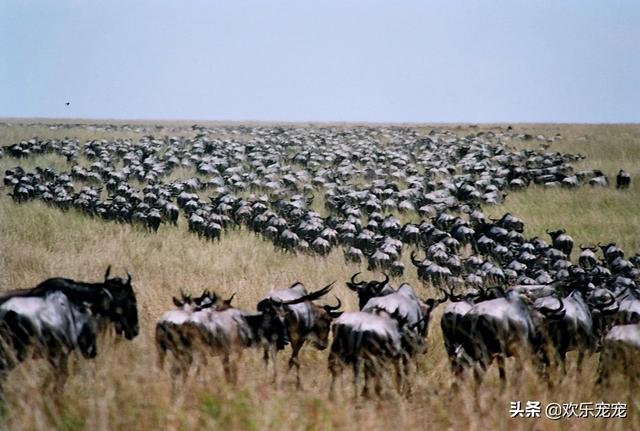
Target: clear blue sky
(396, 60)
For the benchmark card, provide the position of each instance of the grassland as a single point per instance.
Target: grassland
(123, 390)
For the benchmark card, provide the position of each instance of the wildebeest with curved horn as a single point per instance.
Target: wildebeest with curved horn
(305, 321)
(381, 334)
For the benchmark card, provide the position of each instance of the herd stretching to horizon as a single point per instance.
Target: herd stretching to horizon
(508, 295)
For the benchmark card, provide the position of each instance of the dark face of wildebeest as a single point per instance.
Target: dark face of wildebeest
(366, 290)
(324, 316)
(122, 308)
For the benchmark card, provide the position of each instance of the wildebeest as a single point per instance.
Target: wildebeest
(580, 326)
(504, 327)
(305, 321)
(588, 258)
(391, 327)
(60, 314)
(620, 350)
(174, 332)
(562, 241)
(228, 332)
(48, 326)
(364, 337)
(623, 180)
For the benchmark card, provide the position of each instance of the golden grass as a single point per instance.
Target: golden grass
(122, 389)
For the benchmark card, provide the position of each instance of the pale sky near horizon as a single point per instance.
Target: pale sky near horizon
(389, 61)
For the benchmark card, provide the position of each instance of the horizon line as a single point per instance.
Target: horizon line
(81, 120)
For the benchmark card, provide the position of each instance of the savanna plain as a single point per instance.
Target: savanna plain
(122, 389)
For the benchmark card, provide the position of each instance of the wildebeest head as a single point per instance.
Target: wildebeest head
(321, 316)
(602, 302)
(556, 233)
(270, 324)
(367, 290)
(122, 305)
(427, 307)
(322, 324)
(543, 309)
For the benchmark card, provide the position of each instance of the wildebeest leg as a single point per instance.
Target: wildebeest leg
(162, 354)
(296, 345)
(226, 366)
(501, 371)
(270, 352)
(369, 374)
(60, 372)
(604, 365)
(357, 368)
(335, 368)
(265, 358)
(273, 352)
(377, 376)
(479, 369)
(234, 367)
(397, 365)
(562, 359)
(406, 372)
(580, 360)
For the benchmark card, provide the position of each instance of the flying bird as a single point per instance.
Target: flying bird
(67, 103)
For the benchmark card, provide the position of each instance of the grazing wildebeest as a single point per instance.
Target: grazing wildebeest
(304, 319)
(623, 180)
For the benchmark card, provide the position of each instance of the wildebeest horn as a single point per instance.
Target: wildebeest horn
(553, 311)
(333, 308)
(128, 278)
(415, 325)
(106, 274)
(353, 285)
(433, 302)
(444, 299)
(311, 296)
(452, 296)
(610, 302)
(415, 261)
(228, 301)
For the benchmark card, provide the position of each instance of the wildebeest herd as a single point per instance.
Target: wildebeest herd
(315, 190)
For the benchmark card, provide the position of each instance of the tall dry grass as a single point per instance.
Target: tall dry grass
(122, 389)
